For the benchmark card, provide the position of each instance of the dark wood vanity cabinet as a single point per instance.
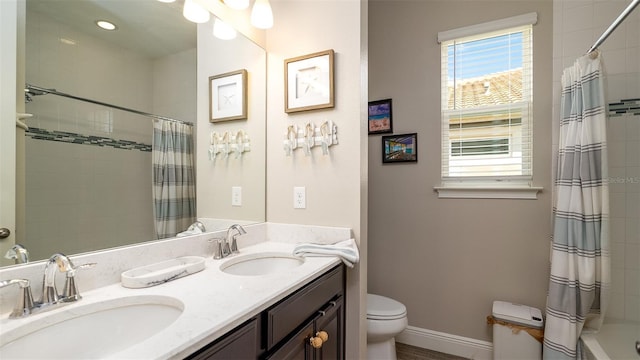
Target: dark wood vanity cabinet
(241, 343)
(284, 331)
(330, 319)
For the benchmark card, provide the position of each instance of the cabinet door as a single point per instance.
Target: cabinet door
(239, 344)
(331, 321)
(297, 347)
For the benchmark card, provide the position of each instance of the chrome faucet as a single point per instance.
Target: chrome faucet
(227, 245)
(60, 262)
(18, 253)
(234, 244)
(25, 301)
(56, 263)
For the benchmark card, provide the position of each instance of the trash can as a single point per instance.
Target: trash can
(517, 331)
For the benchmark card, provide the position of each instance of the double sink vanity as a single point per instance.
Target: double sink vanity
(259, 303)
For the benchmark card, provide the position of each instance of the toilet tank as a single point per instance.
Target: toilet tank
(516, 331)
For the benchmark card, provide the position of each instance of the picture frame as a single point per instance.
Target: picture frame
(309, 82)
(228, 96)
(400, 148)
(380, 119)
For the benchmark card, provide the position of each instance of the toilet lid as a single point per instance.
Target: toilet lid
(384, 308)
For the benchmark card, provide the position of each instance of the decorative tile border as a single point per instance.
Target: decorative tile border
(73, 138)
(625, 106)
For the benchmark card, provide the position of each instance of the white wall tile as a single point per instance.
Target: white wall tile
(616, 87)
(632, 257)
(576, 44)
(633, 128)
(616, 129)
(616, 306)
(617, 205)
(578, 18)
(633, 153)
(617, 232)
(615, 61)
(617, 153)
(617, 255)
(617, 280)
(632, 282)
(632, 308)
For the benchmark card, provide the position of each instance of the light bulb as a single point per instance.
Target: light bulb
(194, 12)
(237, 4)
(106, 25)
(261, 15)
(223, 31)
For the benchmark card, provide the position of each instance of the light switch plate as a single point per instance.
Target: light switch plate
(299, 198)
(236, 196)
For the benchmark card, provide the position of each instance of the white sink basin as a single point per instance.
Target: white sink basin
(91, 331)
(260, 264)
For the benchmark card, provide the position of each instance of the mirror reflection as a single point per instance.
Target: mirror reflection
(88, 166)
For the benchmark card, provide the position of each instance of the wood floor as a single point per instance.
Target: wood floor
(408, 352)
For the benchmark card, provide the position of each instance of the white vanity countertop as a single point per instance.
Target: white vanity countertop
(214, 302)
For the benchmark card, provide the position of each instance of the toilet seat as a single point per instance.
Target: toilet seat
(384, 308)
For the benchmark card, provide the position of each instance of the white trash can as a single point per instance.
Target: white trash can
(515, 328)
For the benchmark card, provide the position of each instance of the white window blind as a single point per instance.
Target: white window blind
(486, 83)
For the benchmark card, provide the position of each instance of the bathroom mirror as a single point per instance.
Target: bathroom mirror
(87, 176)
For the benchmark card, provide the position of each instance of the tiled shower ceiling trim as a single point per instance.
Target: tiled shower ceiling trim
(73, 138)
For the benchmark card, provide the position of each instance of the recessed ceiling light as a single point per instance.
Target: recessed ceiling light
(106, 25)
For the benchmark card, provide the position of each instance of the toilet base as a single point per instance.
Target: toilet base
(384, 350)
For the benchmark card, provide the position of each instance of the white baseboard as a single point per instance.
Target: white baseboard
(446, 343)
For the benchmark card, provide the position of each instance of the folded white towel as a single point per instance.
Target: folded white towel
(189, 232)
(347, 250)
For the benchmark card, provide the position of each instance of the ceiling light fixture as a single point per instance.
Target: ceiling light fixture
(223, 31)
(195, 12)
(106, 25)
(237, 4)
(261, 15)
(167, 1)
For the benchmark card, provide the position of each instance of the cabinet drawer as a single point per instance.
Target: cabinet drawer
(239, 343)
(286, 316)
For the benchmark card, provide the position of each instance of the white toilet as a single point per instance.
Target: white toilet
(386, 318)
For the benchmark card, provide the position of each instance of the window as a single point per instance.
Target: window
(486, 84)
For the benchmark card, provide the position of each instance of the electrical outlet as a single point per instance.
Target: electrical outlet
(299, 198)
(236, 196)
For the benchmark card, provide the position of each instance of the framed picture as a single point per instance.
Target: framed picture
(400, 148)
(308, 82)
(228, 96)
(380, 117)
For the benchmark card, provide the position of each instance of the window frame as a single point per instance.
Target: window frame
(511, 186)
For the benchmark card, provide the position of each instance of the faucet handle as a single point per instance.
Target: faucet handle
(234, 244)
(25, 299)
(70, 292)
(217, 248)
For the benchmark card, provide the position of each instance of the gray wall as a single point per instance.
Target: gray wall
(448, 259)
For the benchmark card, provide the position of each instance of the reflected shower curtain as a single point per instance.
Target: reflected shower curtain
(580, 266)
(174, 188)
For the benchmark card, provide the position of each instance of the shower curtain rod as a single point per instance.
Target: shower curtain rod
(44, 91)
(614, 25)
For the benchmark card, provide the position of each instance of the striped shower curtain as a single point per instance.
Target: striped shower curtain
(580, 267)
(174, 188)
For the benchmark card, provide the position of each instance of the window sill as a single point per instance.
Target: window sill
(523, 193)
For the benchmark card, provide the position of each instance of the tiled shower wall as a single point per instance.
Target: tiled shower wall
(91, 188)
(577, 25)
